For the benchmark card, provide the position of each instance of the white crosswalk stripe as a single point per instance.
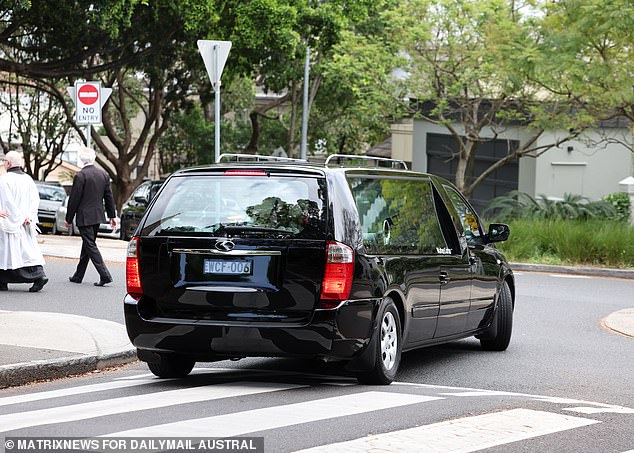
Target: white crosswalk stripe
(279, 416)
(463, 435)
(155, 400)
(246, 410)
(93, 388)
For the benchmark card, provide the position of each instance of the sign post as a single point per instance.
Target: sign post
(89, 99)
(215, 55)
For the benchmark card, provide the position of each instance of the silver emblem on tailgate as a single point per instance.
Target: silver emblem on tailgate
(225, 245)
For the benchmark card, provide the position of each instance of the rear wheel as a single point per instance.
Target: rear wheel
(171, 366)
(498, 336)
(387, 347)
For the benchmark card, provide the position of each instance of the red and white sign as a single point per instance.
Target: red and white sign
(88, 94)
(88, 103)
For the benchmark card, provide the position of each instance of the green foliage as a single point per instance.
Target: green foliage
(622, 204)
(519, 205)
(187, 141)
(594, 242)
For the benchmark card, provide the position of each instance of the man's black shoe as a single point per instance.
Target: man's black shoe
(4, 287)
(38, 284)
(74, 280)
(103, 282)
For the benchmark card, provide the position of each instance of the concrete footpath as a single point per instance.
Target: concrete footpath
(31, 348)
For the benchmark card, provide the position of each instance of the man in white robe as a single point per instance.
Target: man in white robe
(21, 260)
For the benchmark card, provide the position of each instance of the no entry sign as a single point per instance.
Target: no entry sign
(88, 94)
(88, 103)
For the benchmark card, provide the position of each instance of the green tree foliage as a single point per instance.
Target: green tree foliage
(270, 38)
(468, 64)
(587, 50)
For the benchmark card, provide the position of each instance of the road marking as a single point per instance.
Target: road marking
(239, 423)
(601, 410)
(30, 397)
(464, 435)
(473, 392)
(146, 401)
(569, 276)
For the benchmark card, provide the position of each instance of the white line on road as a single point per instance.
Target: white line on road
(569, 276)
(239, 423)
(30, 397)
(155, 400)
(463, 435)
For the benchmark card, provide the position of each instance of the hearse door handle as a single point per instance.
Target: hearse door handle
(444, 278)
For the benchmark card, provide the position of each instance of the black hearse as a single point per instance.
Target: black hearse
(283, 258)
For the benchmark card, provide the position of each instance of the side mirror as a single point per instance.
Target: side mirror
(141, 199)
(498, 232)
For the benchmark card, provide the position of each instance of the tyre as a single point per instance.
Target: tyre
(171, 366)
(498, 336)
(387, 344)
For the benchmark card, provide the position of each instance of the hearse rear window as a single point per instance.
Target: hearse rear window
(239, 206)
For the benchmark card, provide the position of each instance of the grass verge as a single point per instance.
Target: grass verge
(598, 243)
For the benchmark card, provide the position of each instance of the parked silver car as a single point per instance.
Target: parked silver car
(59, 226)
(51, 198)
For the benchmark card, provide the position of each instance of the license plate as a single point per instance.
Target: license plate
(47, 224)
(222, 267)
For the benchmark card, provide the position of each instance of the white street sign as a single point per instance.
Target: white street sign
(215, 54)
(89, 99)
(88, 102)
(105, 95)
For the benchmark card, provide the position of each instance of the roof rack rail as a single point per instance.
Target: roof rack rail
(256, 157)
(393, 162)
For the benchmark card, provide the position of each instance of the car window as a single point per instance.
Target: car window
(263, 206)
(468, 217)
(398, 216)
(51, 193)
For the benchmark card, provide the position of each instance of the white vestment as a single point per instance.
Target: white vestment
(18, 242)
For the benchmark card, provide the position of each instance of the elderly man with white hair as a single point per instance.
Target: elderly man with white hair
(21, 260)
(91, 189)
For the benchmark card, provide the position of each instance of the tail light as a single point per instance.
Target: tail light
(337, 281)
(132, 275)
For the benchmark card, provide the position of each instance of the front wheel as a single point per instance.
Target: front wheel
(498, 336)
(387, 347)
(171, 366)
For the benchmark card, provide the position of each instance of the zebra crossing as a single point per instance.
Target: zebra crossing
(291, 413)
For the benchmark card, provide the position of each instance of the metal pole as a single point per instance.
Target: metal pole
(88, 136)
(302, 148)
(217, 106)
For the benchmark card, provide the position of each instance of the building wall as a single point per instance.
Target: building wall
(589, 170)
(402, 140)
(579, 167)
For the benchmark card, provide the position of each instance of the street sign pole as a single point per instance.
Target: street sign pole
(215, 55)
(217, 104)
(302, 148)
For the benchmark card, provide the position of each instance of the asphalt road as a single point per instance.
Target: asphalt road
(562, 368)
(62, 296)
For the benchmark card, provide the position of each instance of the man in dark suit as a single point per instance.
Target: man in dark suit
(91, 189)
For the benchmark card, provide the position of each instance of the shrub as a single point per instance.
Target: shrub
(520, 205)
(621, 202)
